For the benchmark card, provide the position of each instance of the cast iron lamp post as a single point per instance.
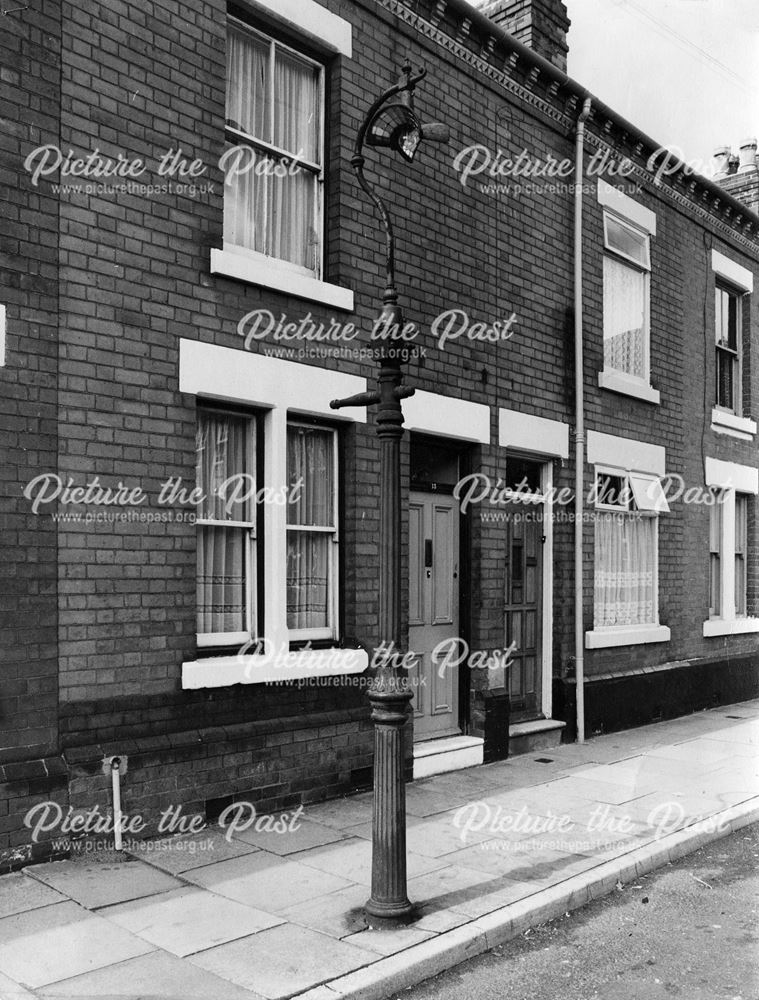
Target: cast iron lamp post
(394, 125)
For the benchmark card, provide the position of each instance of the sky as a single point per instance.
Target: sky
(686, 72)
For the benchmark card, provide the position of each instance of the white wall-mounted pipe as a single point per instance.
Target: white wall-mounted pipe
(116, 787)
(579, 421)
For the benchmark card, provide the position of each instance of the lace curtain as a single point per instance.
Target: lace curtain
(625, 561)
(624, 318)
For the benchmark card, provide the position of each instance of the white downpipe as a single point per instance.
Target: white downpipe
(116, 786)
(579, 422)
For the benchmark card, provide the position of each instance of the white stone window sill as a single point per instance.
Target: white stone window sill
(282, 277)
(630, 635)
(727, 423)
(224, 671)
(628, 385)
(730, 626)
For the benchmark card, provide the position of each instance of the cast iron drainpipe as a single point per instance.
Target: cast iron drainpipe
(579, 423)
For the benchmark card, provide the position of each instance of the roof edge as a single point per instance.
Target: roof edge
(488, 28)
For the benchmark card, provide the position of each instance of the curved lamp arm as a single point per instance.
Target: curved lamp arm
(358, 160)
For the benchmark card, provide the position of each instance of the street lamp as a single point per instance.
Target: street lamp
(394, 126)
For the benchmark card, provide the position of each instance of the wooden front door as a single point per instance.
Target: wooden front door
(523, 608)
(433, 611)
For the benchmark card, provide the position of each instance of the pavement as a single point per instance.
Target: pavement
(492, 851)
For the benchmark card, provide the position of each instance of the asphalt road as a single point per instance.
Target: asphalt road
(688, 930)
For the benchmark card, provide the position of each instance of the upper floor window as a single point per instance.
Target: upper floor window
(727, 330)
(275, 125)
(731, 409)
(628, 229)
(627, 267)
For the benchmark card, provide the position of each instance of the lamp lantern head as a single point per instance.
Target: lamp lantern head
(396, 126)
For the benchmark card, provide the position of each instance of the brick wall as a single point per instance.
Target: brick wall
(30, 61)
(140, 79)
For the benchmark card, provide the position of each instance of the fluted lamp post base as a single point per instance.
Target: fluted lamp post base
(389, 900)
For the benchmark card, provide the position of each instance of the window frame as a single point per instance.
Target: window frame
(716, 514)
(251, 550)
(742, 521)
(733, 482)
(640, 268)
(631, 510)
(238, 137)
(736, 410)
(624, 506)
(333, 603)
(728, 555)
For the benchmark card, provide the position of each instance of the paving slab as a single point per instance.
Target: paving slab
(596, 791)
(388, 942)
(103, 883)
(282, 961)
(352, 859)
(20, 892)
(10, 990)
(51, 943)
(497, 811)
(264, 880)
(695, 752)
(442, 889)
(148, 977)
(303, 838)
(190, 850)
(519, 864)
(426, 801)
(733, 749)
(344, 812)
(494, 895)
(338, 913)
(188, 920)
(433, 837)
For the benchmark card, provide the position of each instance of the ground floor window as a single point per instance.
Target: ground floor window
(311, 531)
(728, 552)
(233, 567)
(626, 548)
(625, 573)
(225, 477)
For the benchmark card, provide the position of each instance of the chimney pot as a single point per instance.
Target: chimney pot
(721, 159)
(747, 156)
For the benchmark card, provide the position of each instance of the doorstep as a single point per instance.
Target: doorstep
(540, 734)
(451, 753)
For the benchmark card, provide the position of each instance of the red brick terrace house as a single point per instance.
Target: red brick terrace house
(145, 302)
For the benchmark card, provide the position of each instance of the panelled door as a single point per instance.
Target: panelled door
(523, 608)
(433, 610)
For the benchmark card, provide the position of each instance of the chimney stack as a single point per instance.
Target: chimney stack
(739, 176)
(542, 25)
